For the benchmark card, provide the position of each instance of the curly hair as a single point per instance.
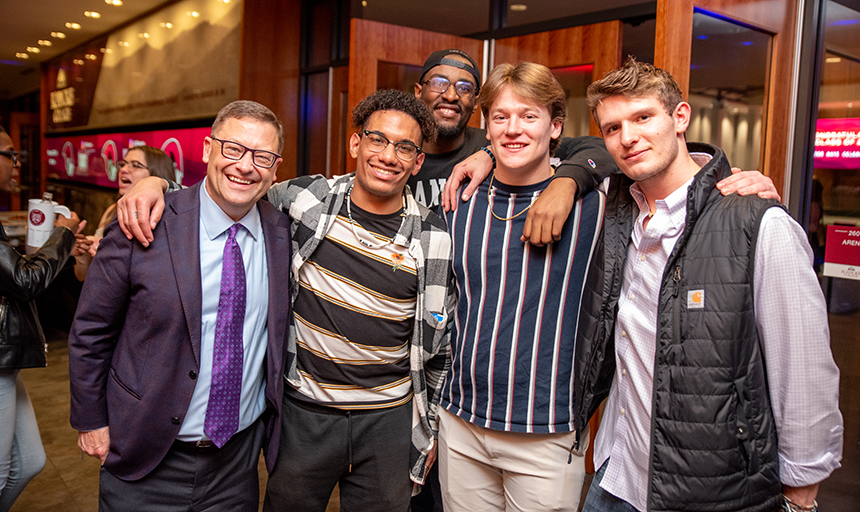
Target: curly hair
(160, 164)
(635, 80)
(242, 109)
(392, 99)
(530, 81)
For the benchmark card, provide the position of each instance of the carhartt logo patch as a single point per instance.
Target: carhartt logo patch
(695, 299)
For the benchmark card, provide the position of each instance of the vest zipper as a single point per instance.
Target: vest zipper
(676, 320)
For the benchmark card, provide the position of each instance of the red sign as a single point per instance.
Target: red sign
(93, 158)
(837, 143)
(842, 254)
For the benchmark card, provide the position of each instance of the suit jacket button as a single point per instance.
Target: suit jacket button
(175, 420)
(192, 374)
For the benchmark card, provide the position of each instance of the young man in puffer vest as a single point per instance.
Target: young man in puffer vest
(705, 326)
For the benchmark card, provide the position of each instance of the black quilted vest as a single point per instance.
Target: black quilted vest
(713, 437)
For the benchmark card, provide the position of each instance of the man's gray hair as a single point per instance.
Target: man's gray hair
(245, 109)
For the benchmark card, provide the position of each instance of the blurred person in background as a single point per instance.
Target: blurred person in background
(139, 162)
(22, 343)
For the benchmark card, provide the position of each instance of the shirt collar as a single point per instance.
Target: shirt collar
(215, 221)
(674, 205)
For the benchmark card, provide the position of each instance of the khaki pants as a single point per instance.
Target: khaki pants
(483, 470)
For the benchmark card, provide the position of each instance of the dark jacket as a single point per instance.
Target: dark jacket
(22, 279)
(713, 436)
(134, 349)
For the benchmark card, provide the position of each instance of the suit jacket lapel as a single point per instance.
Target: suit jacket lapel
(182, 225)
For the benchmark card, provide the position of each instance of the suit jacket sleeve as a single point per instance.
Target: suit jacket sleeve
(98, 322)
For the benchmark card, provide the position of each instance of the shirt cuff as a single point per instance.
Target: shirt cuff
(799, 474)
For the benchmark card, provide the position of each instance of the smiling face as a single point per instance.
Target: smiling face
(380, 177)
(520, 132)
(134, 170)
(236, 185)
(8, 169)
(451, 111)
(645, 141)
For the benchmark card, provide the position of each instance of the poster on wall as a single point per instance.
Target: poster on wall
(842, 252)
(179, 63)
(94, 159)
(837, 143)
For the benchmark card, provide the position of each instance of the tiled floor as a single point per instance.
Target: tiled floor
(69, 482)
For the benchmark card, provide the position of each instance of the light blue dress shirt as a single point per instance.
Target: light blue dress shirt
(214, 224)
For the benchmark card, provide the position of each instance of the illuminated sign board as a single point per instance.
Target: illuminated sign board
(837, 143)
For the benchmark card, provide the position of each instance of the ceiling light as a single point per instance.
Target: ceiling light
(58, 35)
(143, 35)
(22, 55)
(45, 42)
(92, 14)
(193, 14)
(114, 2)
(33, 49)
(74, 26)
(79, 62)
(90, 56)
(105, 50)
(832, 60)
(123, 43)
(166, 24)
(519, 7)
(364, 3)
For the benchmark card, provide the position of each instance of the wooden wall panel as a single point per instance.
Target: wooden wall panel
(269, 67)
(598, 44)
(672, 52)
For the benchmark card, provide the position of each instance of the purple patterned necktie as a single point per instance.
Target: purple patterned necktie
(222, 414)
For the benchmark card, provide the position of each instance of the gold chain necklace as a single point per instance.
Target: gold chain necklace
(490, 202)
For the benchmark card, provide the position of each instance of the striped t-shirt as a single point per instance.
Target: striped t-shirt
(517, 308)
(354, 316)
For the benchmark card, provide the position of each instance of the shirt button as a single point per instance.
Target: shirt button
(632, 297)
(642, 258)
(623, 411)
(175, 420)
(192, 374)
(623, 372)
(623, 334)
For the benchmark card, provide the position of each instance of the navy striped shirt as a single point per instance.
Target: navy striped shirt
(517, 308)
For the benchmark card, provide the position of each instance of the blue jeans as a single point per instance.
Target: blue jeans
(21, 452)
(599, 500)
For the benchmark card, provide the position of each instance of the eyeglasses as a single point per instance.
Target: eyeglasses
(133, 163)
(235, 151)
(462, 88)
(11, 154)
(377, 143)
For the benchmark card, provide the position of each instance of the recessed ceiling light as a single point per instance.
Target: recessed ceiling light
(166, 24)
(832, 60)
(45, 42)
(92, 14)
(143, 35)
(90, 56)
(519, 7)
(193, 14)
(74, 26)
(105, 50)
(58, 35)
(123, 43)
(114, 2)
(22, 55)
(364, 3)
(33, 49)
(79, 62)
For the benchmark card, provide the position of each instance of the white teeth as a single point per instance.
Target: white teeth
(383, 171)
(515, 146)
(238, 180)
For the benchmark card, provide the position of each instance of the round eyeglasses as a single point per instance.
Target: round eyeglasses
(463, 88)
(235, 151)
(377, 143)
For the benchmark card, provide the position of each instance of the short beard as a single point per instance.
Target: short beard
(446, 132)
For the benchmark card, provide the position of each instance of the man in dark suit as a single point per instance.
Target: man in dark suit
(176, 353)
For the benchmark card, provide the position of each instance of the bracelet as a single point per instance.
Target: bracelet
(486, 149)
(790, 506)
